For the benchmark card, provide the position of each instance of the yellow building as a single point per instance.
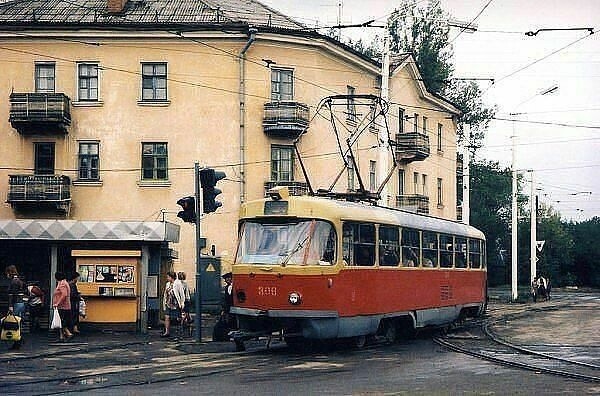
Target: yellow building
(109, 103)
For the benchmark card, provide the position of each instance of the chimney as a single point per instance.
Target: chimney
(115, 6)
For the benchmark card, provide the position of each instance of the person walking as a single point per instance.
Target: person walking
(188, 298)
(36, 305)
(75, 298)
(16, 292)
(170, 303)
(61, 300)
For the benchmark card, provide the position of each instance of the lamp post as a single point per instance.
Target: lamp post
(514, 225)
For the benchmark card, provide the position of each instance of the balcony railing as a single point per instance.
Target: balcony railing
(39, 189)
(412, 146)
(413, 202)
(40, 112)
(285, 119)
(294, 187)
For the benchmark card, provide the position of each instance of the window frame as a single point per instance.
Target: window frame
(88, 78)
(436, 248)
(155, 158)
(372, 175)
(38, 66)
(414, 256)
(351, 174)
(400, 120)
(416, 126)
(40, 157)
(440, 192)
(444, 252)
(389, 252)
(351, 249)
(90, 170)
(425, 125)
(276, 163)
(277, 81)
(439, 139)
(350, 104)
(154, 78)
(416, 183)
(401, 182)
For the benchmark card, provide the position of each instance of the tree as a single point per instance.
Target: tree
(424, 32)
(586, 252)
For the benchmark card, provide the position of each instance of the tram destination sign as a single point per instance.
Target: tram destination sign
(276, 207)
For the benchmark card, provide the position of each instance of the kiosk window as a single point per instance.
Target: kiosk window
(446, 251)
(106, 273)
(359, 244)
(460, 252)
(411, 247)
(430, 249)
(389, 246)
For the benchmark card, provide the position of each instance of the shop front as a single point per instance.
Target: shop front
(119, 262)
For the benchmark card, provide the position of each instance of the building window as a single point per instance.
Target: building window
(154, 81)
(45, 77)
(44, 158)
(350, 166)
(89, 161)
(416, 183)
(87, 74)
(416, 121)
(373, 175)
(350, 105)
(282, 163)
(425, 190)
(282, 84)
(401, 182)
(400, 120)
(154, 161)
(440, 192)
(424, 125)
(439, 138)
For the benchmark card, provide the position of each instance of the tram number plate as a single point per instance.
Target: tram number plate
(267, 290)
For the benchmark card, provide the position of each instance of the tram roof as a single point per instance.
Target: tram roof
(333, 209)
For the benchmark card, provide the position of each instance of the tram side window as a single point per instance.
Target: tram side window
(460, 252)
(446, 251)
(430, 249)
(359, 244)
(389, 246)
(411, 248)
(475, 253)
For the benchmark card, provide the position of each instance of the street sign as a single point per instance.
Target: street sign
(539, 245)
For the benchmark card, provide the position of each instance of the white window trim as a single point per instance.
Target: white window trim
(157, 102)
(88, 103)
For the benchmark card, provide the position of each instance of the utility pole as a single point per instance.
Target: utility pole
(198, 195)
(382, 147)
(533, 246)
(466, 202)
(514, 290)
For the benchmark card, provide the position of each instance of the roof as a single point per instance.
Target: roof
(143, 12)
(333, 209)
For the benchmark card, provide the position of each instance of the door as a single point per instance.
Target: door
(44, 158)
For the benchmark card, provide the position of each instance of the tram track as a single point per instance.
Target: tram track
(483, 343)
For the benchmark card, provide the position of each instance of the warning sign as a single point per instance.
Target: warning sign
(210, 268)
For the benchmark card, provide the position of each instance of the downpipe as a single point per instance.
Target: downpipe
(242, 92)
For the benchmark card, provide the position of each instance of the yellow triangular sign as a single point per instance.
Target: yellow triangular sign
(210, 268)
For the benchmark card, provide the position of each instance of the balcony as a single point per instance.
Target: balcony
(286, 120)
(412, 146)
(295, 187)
(40, 113)
(39, 190)
(413, 203)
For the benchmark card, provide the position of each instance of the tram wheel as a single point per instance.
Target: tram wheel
(239, 346)
(390, 332)
(360, 341)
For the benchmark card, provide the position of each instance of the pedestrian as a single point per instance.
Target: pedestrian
(188, 298)
(75, 298)
(16, 294)
(226, 321)
(61, 300)
(36, 305)
(171, 303)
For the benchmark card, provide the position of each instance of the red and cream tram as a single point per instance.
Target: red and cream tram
(319, 268)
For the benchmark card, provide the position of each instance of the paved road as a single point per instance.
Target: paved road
(141, 365)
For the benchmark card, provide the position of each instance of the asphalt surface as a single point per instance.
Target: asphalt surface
(124, 363)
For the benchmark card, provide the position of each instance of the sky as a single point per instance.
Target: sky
(564, 160)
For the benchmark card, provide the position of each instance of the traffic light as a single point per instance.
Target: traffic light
(208, 180)
(188, 214)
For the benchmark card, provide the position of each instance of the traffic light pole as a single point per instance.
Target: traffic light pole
(198, 317)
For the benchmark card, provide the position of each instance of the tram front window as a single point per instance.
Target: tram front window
(305, 242)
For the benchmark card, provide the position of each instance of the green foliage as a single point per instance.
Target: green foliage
(423, 32)
(586, 255)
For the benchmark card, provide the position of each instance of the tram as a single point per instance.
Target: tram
(317, 268)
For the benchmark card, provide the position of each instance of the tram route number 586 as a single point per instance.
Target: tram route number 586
(267, 291)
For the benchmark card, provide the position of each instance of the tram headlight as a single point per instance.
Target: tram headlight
(295, 298)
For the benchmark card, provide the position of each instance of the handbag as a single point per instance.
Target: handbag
(56, 322)
(10, 328)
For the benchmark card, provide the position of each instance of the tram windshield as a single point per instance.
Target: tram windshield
(303, 242)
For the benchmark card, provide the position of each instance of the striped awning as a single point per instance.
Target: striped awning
(74, 230)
